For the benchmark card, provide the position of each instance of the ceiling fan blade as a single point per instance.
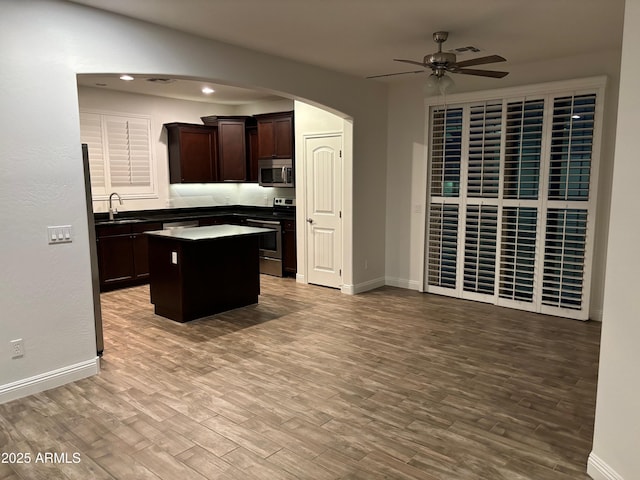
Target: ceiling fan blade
(481, 73)
(481, 61)
(412, 62)
(392, 74)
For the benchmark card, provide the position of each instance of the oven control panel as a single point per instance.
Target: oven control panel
(284, 202)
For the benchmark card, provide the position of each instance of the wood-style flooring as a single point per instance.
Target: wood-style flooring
(314, 384)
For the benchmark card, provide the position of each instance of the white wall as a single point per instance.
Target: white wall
(616, 441)
(46, 291)
(166, 110)
(406, 163)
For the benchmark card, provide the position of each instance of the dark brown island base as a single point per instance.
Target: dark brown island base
(200, 271)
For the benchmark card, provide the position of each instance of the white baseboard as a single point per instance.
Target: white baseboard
(402, 283)
(362, 287)
(599, 470)
(48, 380)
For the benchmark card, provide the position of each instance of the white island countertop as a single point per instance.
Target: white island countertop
(213, 232)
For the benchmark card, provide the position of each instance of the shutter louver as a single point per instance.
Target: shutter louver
(564, 258)
(571, 147)
(446, 152)
(523, 149)
(518, 253)
(443, 245)
(484, 151)
(480, 248)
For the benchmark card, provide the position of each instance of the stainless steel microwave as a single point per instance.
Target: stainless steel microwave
(276, 172)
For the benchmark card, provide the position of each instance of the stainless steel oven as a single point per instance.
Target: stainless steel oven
(270, 246)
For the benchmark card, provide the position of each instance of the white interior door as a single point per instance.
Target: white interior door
(323, 168)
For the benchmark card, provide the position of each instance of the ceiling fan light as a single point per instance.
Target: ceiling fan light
(437, 85)
(445, 83)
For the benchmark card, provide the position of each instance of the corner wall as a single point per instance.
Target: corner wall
(617, 427)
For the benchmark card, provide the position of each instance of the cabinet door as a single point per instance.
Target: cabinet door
(140, 245)
(232, 157)
(283, 137)
(192, 153)
(266, 139)
(115, 259)
(196, 152)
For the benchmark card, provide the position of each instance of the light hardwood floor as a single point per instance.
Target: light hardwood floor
(314, 384)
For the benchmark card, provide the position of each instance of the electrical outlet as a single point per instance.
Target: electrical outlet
(17, 348)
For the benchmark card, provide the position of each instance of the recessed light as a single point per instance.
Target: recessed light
(126, 77)
(207, 90)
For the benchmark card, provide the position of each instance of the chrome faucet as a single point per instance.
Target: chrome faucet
(113, 211)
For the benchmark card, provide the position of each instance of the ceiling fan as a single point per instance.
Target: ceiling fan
(442, 62)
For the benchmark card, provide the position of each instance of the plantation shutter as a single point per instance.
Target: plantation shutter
(91, 134)
(484, 151)
(120, 155)
(443, 245)
(518, 253)
(129, 155)
(480, 249)
(511, 209)
(444, 187)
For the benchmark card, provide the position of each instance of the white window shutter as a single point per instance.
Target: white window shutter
(518, 253)
(91, 134)
(510, 213)
(120, 154)
(564, 258)
(446, 152)
(443, 245)
(485, 132)
(481, 230)
(523, 149)
(129, 155)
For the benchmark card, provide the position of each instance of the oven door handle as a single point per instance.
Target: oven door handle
(266, 222)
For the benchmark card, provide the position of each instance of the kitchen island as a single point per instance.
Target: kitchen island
(200, 271)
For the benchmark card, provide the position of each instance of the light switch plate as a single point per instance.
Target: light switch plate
(60, 234)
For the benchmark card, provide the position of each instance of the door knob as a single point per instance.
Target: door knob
(310, 220)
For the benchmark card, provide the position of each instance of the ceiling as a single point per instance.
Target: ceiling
(361, 37)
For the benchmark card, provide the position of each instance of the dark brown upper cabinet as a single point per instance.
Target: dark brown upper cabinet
(275, 135)
(193, 152)
(232, 146)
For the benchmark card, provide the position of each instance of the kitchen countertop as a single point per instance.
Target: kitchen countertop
(178, 214)
(213, 232)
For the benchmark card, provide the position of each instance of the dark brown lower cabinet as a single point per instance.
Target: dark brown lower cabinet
(123, 255)
(289, 257)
